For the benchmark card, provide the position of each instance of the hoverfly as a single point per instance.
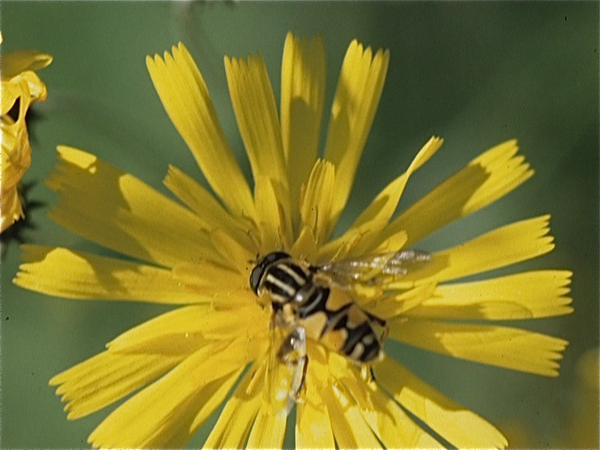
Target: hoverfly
(314, 302)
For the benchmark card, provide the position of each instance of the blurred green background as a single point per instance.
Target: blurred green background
(473, 73)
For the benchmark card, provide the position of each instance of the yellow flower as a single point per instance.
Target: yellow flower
(198, 254)
(19, 84)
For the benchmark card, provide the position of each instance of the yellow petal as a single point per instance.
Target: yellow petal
(336, 250)
(182, 425)
(154, 416)
(234, 253)
(313, 426)
(268, 430)
(62, 272)
(349, 427)
(118, 211)
(376, 216)
(27, 87)
(204, 204)
(305, 246)
(302, 94)
(507, 347)
(456, 424)
(209, 274)
(356, 99)
(274, 232)
(256, 113)
(184, 330)
(485, 179)
(389, 423)
(317, 199)
(392, 426)
(105, 378)
(383, 206)
(14, 63)
(187, 101)
(402, 303)
(501, 247)
(16, 149)
(237, 418)
(11, 208)
(16, 159)
(527, 295)
(213, 401)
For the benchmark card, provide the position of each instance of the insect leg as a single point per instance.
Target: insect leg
(382, 323)
(293, 353)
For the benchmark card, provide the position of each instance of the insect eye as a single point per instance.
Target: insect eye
(261, 267)
(255, 277)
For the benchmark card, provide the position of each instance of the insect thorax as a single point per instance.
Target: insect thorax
(280, 277)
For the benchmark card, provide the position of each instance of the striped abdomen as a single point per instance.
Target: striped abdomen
(329, 315)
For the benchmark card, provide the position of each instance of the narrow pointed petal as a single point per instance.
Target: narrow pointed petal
(184, 330)
(20, 91)
(18, 61)
(27, 87)
(501, 247)
(153, 417)
(526, 295)
(313, 425)
(349, 427)
(452, 421)
(238, 416)
(356, 99)
(183, 428)
(317, 199)
(275, 229)
(484, 180)
(268, 430)
(212, 402)
(204, 204)
(402, 303)
(370, 223)
(302, 95)
(393, 426)
(127, 216)
(185, 97)
(387, 421)
(511, 348)
(383, 206)
(66, 273)
(306, 245)
(234, 253)
(107, 377)
(256, 113)
(208, 274)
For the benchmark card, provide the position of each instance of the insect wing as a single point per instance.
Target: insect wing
(370, 268)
